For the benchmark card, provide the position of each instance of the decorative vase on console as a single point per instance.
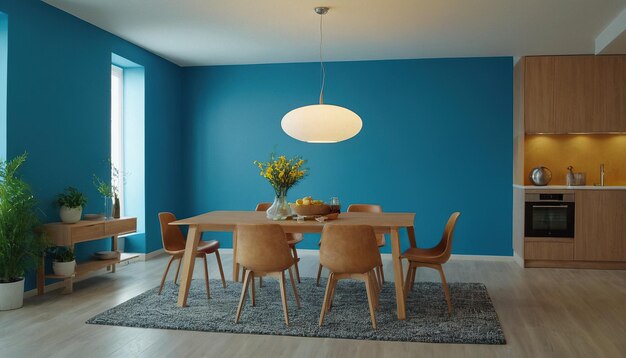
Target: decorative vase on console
(116, 207)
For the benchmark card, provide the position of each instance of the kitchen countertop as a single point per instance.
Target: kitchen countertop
(565, 187)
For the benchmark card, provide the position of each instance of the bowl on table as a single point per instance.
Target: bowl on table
(310, 210)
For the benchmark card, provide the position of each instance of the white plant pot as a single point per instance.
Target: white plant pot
(70, 215)
(11, 295)
(64, 269)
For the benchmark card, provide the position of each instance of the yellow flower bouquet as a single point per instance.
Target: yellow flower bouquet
(282, 174)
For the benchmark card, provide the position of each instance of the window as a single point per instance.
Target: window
(128, 144)
(117, 128)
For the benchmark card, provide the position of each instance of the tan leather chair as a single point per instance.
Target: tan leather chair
(263, 251)
(380, 239)
(292, 239)
(174, 245)
(434, 258)
(349, 252)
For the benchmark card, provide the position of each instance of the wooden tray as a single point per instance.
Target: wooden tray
(329, 217)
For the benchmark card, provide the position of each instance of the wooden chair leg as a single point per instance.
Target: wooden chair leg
(165, 273)
(180, 260)
(319, 274)
(219, 265)
(370, 298)
(413, 271)
(293, 285)
(261, 281)
(407, 282)
(375, 287)
(296, 259)
(382, 276)
(244, 288)
(332, 293)
(283, 294)
(206, 277)
(375, 281)
(446, 291)
(252, 290)
(326, 302)
(377, 275)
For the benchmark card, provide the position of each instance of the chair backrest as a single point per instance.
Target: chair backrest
(290, 236)
(348, 248)
(368, 208)
(445, 245)
(262, 206)
(365, 208)
(262, 247)
(171, 235)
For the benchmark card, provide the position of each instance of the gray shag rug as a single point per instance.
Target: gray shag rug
(474, 319)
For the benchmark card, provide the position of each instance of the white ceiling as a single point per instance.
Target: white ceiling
(215, 32)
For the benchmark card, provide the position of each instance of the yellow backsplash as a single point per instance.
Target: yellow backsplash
(585, 152)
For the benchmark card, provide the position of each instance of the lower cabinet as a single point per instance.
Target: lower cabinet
(600, 225)
(545, 249)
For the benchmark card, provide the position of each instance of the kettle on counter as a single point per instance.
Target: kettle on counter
(540, 176)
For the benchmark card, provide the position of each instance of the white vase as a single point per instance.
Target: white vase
(280, 209)
(64, 269)
(70, 215)
(11, 295)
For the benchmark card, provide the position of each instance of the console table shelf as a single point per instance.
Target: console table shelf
(70, 234)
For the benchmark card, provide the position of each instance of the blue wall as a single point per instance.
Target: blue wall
(437, 134)
(59, 91)
(437, 137)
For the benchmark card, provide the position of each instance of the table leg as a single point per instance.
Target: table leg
(397, 273)
(114, 248)
(411, 231)
(235, 263)
(41, 280)
(69, 285)
(193, 237)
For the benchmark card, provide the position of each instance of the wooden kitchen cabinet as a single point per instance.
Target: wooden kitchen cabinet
(574, 94)
(610, 94)
(539, 95)
(548, 249)
(600, 225)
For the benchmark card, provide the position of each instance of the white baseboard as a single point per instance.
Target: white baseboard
(481, 258)
(518, 259)
(151, 255)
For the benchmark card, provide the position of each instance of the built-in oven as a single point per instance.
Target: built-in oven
(550, 215)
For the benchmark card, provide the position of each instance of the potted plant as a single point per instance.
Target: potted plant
(71, 203)
(110, 191)
(64, 263)
(21, 247)
(107, 191)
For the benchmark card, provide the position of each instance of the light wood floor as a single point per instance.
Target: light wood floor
(544, 313)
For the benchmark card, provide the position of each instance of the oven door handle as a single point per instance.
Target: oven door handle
(550, 206)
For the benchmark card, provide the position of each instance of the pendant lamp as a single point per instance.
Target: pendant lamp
(321, 123)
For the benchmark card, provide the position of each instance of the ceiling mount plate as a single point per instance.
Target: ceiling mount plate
(321, 10)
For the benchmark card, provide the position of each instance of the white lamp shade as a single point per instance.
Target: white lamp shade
(321, 123)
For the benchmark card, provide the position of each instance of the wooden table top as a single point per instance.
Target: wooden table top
(227, 220)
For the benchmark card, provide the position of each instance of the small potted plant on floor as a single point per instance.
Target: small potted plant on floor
(21, 247)
(71, 203)
(64, 263)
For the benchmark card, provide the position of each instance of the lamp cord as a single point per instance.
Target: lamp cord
(322, 63)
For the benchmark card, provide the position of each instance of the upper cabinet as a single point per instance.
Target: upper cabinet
(574, 94)
(539, 94)
(610, 94)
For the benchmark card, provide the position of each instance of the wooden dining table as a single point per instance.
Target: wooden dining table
(227, 221)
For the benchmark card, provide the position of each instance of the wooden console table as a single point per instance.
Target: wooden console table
(61, 234)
